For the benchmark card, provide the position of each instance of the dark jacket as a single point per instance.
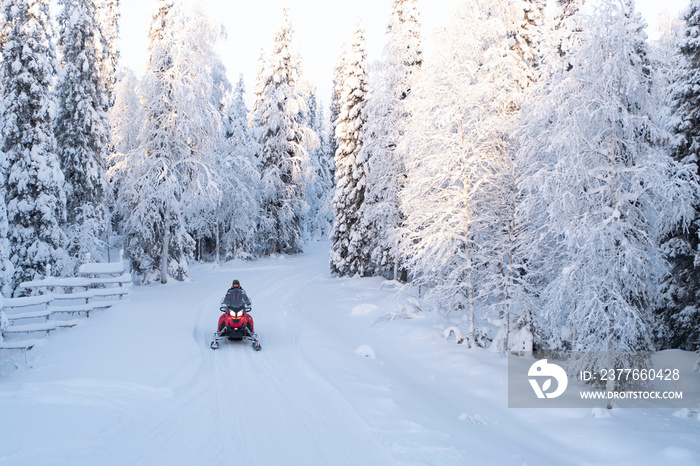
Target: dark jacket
(236, 297)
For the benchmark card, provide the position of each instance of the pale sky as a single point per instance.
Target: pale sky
(320, 28)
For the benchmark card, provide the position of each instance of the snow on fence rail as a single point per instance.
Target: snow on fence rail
(97, 287)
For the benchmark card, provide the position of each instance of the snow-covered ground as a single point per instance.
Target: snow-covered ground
(342, 379)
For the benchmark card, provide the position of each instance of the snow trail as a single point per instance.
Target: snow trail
(336, 383)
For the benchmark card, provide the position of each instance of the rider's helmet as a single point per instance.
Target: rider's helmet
(236, 284)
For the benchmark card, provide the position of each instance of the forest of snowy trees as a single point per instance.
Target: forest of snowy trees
(535, 173)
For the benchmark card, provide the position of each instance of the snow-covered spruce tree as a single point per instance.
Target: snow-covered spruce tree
(458, 161)
(6, 268)
(319, 194)
(565, 30)
(679, 308)
(528, 30)
(33, 190)
(240, 203)
(348, 254)
(108, 21)
(253, 122)
(5, 275)
(386, 119)
(284, 140)
(335, 104)
(170, 173)
(666, 62)
(81, 127)
(326, 174)
(597, 193)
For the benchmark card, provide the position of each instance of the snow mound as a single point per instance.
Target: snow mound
(366, 351)
(679, 453)
(685, 412)
(363, 309)
(459, 338)
(102, 268)
(475, 419)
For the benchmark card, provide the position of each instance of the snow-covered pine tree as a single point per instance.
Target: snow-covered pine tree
(33, 191)
(81, 127)
(387, 114)
(240, 180)
(597, 193)
(170, 173)
(679, 309)
(284, 140)
(348, 251)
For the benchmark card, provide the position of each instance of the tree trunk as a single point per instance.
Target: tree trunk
(165, 251)
(218, 245)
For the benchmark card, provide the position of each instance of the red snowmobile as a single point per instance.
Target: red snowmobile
(235, 324)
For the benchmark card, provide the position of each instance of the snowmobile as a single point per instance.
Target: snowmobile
(235, 323)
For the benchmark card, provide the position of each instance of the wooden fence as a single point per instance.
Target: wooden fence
(59, 301)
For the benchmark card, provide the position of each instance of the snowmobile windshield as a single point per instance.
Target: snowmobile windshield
(234, 299)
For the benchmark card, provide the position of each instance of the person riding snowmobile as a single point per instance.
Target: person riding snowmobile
(236, 297)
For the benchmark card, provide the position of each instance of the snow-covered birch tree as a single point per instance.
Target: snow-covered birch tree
(596, 190)
(513, 32)
(170, 171)
(125, 121)
(445, 171)
(458, 161)
(126, 115)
